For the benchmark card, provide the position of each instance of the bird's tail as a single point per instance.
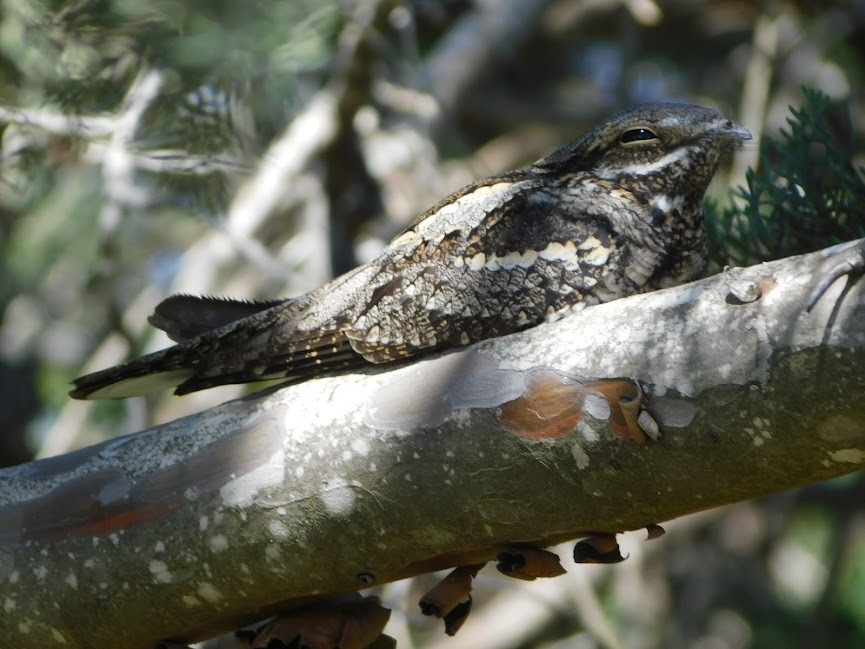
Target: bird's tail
(184, 318)
(220, 342)
(157, 371)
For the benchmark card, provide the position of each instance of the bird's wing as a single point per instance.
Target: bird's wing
(486, 281)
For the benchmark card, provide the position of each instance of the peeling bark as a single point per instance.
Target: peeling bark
(203, 524)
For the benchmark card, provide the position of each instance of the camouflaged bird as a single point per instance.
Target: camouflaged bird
(615, 213)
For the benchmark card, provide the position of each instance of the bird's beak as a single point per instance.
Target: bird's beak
(732, 129)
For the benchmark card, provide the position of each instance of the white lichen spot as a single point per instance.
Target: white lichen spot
(278, 529)
(758, 441)
(851, 455)
(41, 572)
(218, 543)
(24, 628)
(72, 580)
(347, 455)
(597, 406)
(14, 576)
(299, 471)
(57, 636)
(244, 568)
(478, 261)
(580, 456)
(161, 573)
(203, 523)
(90, 563)
(114, 538)
(338, 497)
(588, 432)
(159, 547)
(9, 605)
(208, 592)
(191, 601)
(272, 553)
(360, 446)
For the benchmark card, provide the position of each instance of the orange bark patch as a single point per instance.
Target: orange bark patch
(554, 404)
(550, 408)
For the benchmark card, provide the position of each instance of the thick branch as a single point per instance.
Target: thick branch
(215, 520)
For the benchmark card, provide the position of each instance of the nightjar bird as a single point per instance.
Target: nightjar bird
(614, 213)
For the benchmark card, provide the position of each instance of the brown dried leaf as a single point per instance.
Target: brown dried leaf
(354, 624)
(654, 531)
(445, 596)
(528, 563)
(602, 548)
(457, 616)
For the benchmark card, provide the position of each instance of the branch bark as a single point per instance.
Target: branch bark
(206, 523)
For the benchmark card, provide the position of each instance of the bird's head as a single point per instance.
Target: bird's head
(663, 147)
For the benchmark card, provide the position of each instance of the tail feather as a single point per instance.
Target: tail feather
(302, 359)
(157, 371)
(226, 355)
(184, 317)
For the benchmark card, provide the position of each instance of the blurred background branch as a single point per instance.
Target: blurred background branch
(257, 149)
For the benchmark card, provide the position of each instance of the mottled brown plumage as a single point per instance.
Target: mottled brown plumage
(615, 213)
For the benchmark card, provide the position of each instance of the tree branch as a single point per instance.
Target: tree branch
(209, 522)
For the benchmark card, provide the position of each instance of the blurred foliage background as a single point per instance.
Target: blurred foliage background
(257, 149)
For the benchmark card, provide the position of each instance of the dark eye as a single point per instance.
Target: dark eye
(637, 135)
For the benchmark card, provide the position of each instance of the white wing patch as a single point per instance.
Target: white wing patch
(556, 251)
(597, 253)
(593, 251)
(463, 214)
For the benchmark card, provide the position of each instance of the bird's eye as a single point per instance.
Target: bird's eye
(638, 135)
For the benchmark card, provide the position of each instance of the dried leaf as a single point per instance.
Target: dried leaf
(528, 563)
(602, 548)
(353, 624)
(445, 596)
